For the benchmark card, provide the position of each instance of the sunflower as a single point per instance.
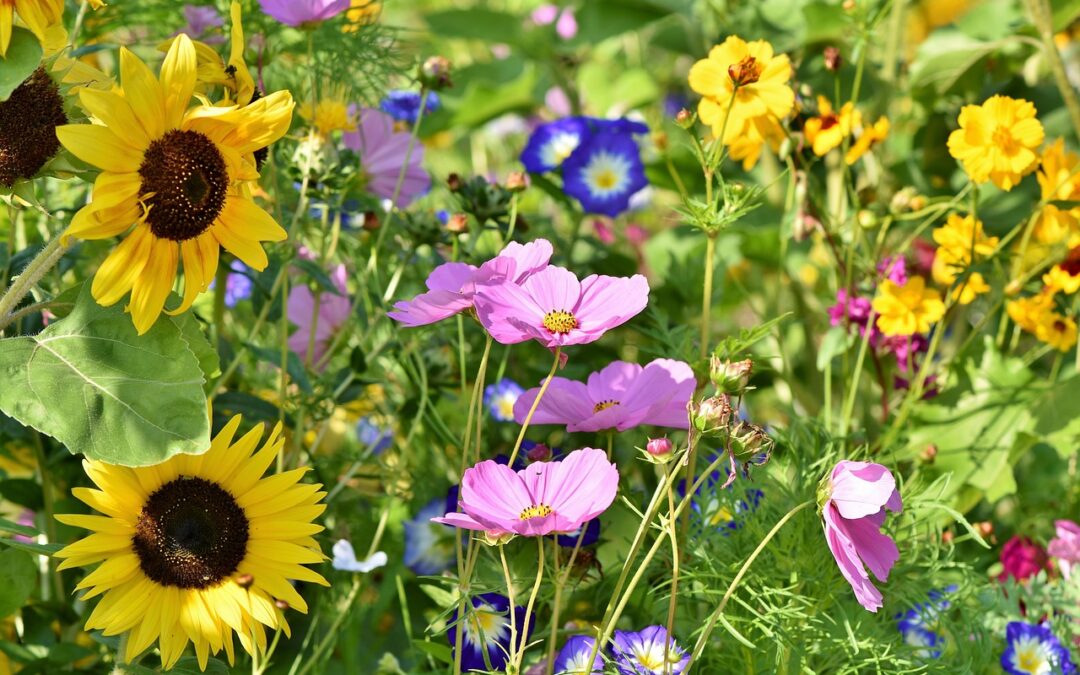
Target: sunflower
(176, 177)
(197, 547)
(40, 16)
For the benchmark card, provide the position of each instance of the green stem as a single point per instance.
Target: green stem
(1042, 17)
(520, 649)
(706, 295)
(535, 405)
(25, 282)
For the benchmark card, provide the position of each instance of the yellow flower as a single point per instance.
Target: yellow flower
(1057, 331)
(1065, 277)
(1029, 312)
(1059, 179)
(907, 309)
(763, 89)
(759, 132)
(330, 114)
(197, 548)
(997, 141)
(214, 71)
(178, 175)
(868, 138)
(958, 239)
(971, 288)
(42, 17)
(362, 13)
(829, 129)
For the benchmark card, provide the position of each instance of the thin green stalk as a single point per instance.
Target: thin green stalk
(25, 282)
(673, 602)
(1043, 19)
(331, 634)
(535, 405)
(706, 294)
(510, 599)
(849, 405)
(520, 649)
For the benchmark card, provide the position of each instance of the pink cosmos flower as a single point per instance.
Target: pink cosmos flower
(555, 309)
(201, 20)
(299, 12)
(1066, 545)
(332, 313)
(858, 495)
(543, 498)
(1022, 559)
(621, 396)
(382, 152)
(451, 286)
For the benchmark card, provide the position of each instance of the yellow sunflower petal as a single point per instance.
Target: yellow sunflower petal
(101, 147)
(118, 273)
(150, 290)
(143, 91)
(116, 113)
(178, 77)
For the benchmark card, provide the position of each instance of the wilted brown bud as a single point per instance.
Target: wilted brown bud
(245, 581)
(435, 73)
(929, 454)
(371, 221)
(458, 223)
(730, 377)
(747, 71)
(684, 118)
(516, 181)
(751, 444)
(712, 415)
(453, 182)
(832, 59)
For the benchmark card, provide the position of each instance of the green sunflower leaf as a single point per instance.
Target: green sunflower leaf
(22, 58)
(139, 399)
(18, 576)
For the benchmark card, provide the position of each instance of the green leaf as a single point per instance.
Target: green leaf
(139, 398)
(192, 334)
(478, 24)
(599, 20)
(836, 341)
(293, 365)
(438, 651)
(18, 578)
(1065, 12)
(484, 101)
(945, 57)
(733, 345)
(30, 547)
(15, 528)
(631, 89)
(22, 59)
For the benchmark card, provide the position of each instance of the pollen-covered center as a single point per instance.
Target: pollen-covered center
(191, 534)
(1004, 140)
(560, 322)
(184, 184)
(535, 511)
(28, 121)
(604, 405)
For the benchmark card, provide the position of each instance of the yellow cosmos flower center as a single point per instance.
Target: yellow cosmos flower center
(184, 184)
(28, 121)
(1004, 140)
(535, 511)
(604, 405)
(560, 322)
(191, 534)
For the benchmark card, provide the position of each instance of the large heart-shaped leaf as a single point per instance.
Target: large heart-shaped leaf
(91, 382)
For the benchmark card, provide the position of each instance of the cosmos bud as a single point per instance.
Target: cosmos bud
(684, 118)
(750, 443)
(435, 73)
(516, 182)
(712, 415)
(730, 377)
(539, 453)
(458, 223)
(658, 447)
(929, 454)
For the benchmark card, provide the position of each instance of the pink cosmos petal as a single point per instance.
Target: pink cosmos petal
(297, 12)
(564, 402)
(875, 549)
(611, 382)
(607, 302)
(555, 289)
(382, 152)
(862, 488)
(577, 489)
(494, 495)
(544, 14)
(663, 389)
(300, 306)
(528, 258)
(461, 520)
(451, 276)
(497, 304)
(428, 308)
(567, 27)
(847, 559)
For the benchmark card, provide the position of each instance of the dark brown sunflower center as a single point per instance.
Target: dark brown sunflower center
(184, 183)
(191, 534)
(28, 121)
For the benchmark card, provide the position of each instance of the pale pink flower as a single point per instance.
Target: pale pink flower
(300, 12)
(854, 510)
(621, 396)
(555, 309)
(543, 498)
(451, 286)
(382, 151)
(332, 313)
(1066, 545)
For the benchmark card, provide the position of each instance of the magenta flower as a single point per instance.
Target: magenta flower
(1066, 545)
(1022, 558)
(857, 496)
(621, 396)
(299, 12)
(451, 286)
(382, 152)
(543, 498)
(555, 309)
(893, 268)
(332, 313)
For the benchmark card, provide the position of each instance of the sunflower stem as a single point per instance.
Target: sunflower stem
(25, 282)
(535, 405)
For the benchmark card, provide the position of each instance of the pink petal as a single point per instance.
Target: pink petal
(428, 308)
(301, 306)
(564, 402)
(607, 302)
(847, 559)
(578, 488)
(554, 289)
(876, 550)
(451, 276)
(505, 309)
(462, 520)
(612, 382)
(861, 489)
(528, 258)
(494, 495)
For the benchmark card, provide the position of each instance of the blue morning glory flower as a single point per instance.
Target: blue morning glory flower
(404, 105)
(622, 125)
(604, 172)
(573, 658)
(551, 143)
(373, 436)
(592, 534)
(642, 653)
(429, 547)
(501, 397)
(1034, 650)
(487, 629)
(918, 625)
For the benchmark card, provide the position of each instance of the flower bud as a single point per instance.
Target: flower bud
(947, 537)
(684, 118)
(867, 219)
(371, 221)
(712, 415)
(730, 377)
(832, 59)
(984, 528)
(516, 182)
(539, 453)
(497, 537)
(750, 444)
(658, 447)
(929, 454)
(453, 182)
(747, 71)
(435, 73)
(458, 224)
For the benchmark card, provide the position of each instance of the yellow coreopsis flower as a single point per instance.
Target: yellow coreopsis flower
(362, 13)
(1029, 312)
(331, 113)
(997, 141)
(197, 548)
(829, 129)
(961, 241)
(759, 132)
(175, 176)
(906, 309)
(1065, 276)
(868, 138)
(1059, 179)
(751, 73)
(970, 288)
(40, 16)
(1056, 330)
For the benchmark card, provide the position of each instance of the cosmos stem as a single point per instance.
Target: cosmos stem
(520, 649)
(535, 405)
(25, 282)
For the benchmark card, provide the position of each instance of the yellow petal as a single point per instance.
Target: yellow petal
(118, 273)
(178, 76)
(143, 92)
(99, 146)
(115, 113)
(151, 288)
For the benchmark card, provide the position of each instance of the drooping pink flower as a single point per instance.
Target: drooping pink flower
(332, 313)
(620, 396)
(858, 495)
(299, 12)
(1066, 545)
(451, 286)
(543, 498)
(1022, 559)
(382, 151)
(555, 309)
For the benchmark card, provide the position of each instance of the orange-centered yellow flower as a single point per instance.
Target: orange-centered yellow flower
(997, 141)
(174, 178)
(829, 129)
(39, 16)
(907, 309)
(751, 73)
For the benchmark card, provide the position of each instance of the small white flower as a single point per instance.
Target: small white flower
(345, 559)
